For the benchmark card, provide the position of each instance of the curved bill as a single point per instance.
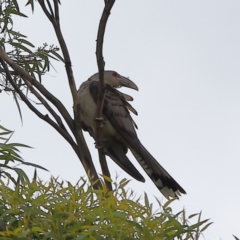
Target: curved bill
(125, 82)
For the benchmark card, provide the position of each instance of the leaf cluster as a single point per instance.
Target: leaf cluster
(59, 210)
(35, 61)
(10, 159)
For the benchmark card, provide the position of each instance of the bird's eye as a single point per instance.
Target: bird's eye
(115, 74)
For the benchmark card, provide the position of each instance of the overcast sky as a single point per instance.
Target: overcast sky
(185, 58)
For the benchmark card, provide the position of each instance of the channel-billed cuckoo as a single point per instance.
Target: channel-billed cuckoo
(118, 130)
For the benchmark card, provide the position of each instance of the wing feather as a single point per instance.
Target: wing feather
(115, 109)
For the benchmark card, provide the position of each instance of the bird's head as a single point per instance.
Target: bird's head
(115, 80)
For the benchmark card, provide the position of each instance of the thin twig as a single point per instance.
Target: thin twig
(101, 88)
(46, 105)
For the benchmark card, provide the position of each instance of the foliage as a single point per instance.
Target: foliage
(9, 153)
(59, 210)
(34, 60)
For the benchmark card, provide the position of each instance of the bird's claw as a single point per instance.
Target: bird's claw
(103, 140)
(98, 147)
(99, 119)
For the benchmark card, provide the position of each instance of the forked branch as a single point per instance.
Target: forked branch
(42, 94)
(101, 91)
(77, 142)
(85, 156)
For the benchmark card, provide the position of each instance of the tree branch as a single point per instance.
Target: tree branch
(27, 102)
(80, 149)
(56, 10)
(83, 149)
(46, 105)
(101, 90)
(68, 65)
(22, 73)
(50, 8)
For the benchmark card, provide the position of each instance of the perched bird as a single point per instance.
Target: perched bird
(119, 132)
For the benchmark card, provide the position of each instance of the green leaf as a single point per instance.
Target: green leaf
(34, 165)
(35, 175)
(18, 106)
(13, 11)
(13, 145)
(37, 229)
(3, 128)
(58, 56)
(16, 33)
(206, 226)
(18, 45)
(30, 2)
(16, 4)
(193, 215)
(168, 203)
(26, 42)
(123, 182)
(146, 201)
(9, 176)
(22, 176)
(17, 231)
(236, 238)
(107, 178)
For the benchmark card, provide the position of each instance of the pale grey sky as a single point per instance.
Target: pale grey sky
(185, 58)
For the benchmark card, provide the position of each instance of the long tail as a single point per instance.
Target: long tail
(160, 177)
(117, 152)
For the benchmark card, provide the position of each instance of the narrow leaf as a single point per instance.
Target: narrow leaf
(26, 42)
(16, 5)
(13, 11)
(34, 165)
(18, 45)
(236, 238)
(22, 176)
(31, 3)
(16, 33)
(206, 226)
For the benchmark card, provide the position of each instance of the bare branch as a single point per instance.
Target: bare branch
(56, 10)
(50, 8)
(68, 65)
(41, 2)
(105, 170)
(101, 90)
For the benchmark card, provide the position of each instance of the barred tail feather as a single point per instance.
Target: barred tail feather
(160, 177)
